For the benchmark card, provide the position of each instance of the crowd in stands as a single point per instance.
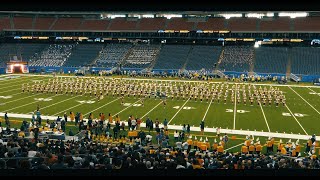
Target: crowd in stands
(112, 54)
(54, 55)
(134, 148)
(142, 56)
(237, 58)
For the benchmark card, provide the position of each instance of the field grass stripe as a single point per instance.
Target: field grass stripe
(313, 91)
(235, 109)
(60, 102)
(305, 101)
(234, 146)
(264, 116)
(27, 104)
(151, 109)
(178, 110)
(205, 114)
(15, 80)
(296, 119)
(72, 107)
(14, 89)
(127, 107)
(103, 106)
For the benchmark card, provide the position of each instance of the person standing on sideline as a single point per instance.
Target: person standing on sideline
(6, 118)
(202, 127)
(165, 124)
(65, 117)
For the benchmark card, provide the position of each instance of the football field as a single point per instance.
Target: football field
(300, 114)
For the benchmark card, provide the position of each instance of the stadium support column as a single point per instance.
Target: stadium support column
(288, 71)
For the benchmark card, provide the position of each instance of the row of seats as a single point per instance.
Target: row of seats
(83, 55)
(203, 57)
(237, 58)
(142, 56)
(232, 24)
(112, 54)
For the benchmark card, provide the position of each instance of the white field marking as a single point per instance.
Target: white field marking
(20, 98)
(178, 110)
(59, 102)
(195, 129)
(264, 116)
(305, 101)
(103, 106)
(296, 119)
(313, 91)
(151, 109)
(169, 80)
(71, 107)
(234, 146)
(28, 103)
(126, 108)
(205, 114)
(235, 109)
(17, 82)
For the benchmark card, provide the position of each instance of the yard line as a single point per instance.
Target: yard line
(179, 110)
(205, 114)
(235, 109)
(296, 119)
(14, 89)
(305, 100)
(127, 107)
(313, 91)
(15, 83)
(103, 105)
(264, 116)
(60, 102)
(27, 104)
(20, 99)
(151, 110)
(72, 107)
(234, 146)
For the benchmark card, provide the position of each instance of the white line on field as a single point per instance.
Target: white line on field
(205, 114)
(234, 146)
(296, 119)
(29, 103)
(151, 109)
(103, 106)
(305, 100)
(20, 99)
(72, 107)
(235, 109)
(178, 110)
(59, 102)
(313, 91)
(16, 83)
(15, 89)
(127, 107)
(264, 116)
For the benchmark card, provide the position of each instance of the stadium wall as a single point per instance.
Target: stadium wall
(2, 70)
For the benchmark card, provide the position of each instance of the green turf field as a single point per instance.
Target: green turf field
(301, 115)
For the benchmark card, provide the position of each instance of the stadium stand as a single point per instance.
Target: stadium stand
(180, 24)
(307, 24)
(92, 24)
(172, 57)
(237, 58)
(112, 54)
(203, 57)
(212, 24)
(275, 24)
(242, 24)
(22, 22)
(67, 24)
(43, 23)
(305, 60)
(4, 23)
(271, 60)
(123, 24)
(141, 56)
(23, 50)
(152, 24)
(83, 55)
(54, 55)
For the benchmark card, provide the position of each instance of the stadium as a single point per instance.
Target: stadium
(185, 90)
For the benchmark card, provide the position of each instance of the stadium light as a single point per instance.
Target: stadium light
(293, 15)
